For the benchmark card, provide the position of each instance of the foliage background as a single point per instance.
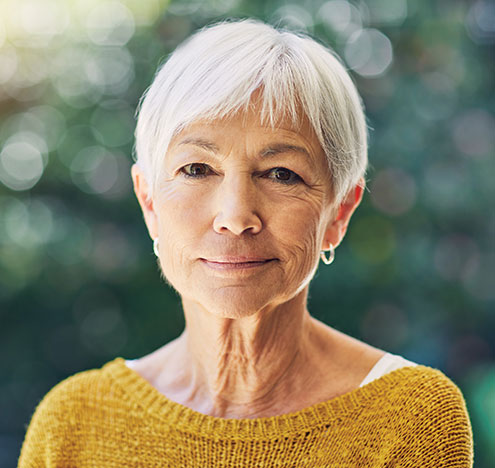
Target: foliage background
(79, 283)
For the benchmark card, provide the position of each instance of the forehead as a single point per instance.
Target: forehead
(254, 120)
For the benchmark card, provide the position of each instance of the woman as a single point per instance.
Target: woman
(251, 152)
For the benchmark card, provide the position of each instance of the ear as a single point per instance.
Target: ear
(337, 227)
(142, 191)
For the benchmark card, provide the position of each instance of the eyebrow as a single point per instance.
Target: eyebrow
(266, 152)
(204, 144)
(279, 148)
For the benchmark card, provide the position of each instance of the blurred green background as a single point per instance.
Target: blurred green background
(79, 283)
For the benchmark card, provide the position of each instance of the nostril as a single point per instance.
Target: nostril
(237, 223)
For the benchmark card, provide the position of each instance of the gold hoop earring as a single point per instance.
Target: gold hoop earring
(331, 256)
(155, 247)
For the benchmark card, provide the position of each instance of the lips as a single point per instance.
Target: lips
(236, 263)
(237, 259)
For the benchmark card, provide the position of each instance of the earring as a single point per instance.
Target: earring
(330, 258)
(155, 247)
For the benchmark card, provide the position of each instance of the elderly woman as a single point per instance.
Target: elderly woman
(251, 151)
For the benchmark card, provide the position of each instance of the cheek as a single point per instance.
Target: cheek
(181, 210)
(300, 235)
(182, 219)
(297, 228)
(299, 217)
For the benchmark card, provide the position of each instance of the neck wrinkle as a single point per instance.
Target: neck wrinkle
(248, 365)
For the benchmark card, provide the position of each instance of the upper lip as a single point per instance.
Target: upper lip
(237, 259)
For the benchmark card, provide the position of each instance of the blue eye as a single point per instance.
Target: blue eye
(195, 170)
(285, 176)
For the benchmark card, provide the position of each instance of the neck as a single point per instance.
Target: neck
(250, 366)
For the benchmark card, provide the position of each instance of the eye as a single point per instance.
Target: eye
(285, 176)
(195, 170)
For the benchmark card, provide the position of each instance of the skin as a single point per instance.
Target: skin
(250, 348)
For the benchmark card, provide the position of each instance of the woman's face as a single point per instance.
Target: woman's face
(242, 211)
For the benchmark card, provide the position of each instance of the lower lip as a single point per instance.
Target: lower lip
(235, 266)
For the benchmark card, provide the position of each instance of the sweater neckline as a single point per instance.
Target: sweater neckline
(327, 413)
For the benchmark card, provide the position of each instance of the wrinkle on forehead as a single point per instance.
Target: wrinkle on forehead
(268, 114)
(251, 119)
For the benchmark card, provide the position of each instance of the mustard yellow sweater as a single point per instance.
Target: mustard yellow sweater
(113, 418)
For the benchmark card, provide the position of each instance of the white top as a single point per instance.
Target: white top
(387, 363)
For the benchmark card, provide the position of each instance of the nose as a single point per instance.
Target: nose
(236, 206)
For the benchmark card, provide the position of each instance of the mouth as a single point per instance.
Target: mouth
(236, 262)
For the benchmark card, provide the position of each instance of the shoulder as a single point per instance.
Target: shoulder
(63, 411)
(429, 387)
(426, 391)
(67, 402)
(432, 409)
(76, 391)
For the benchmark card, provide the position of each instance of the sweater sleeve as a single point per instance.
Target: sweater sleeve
(35, 448)
(52, 431)
(442, 436)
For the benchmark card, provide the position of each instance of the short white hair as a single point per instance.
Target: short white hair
(214, 74)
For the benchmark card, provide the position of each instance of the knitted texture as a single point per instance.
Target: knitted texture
(113, 418)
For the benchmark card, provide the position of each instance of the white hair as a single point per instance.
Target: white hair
(214, 74)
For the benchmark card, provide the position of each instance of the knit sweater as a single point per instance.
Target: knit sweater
(112, 417)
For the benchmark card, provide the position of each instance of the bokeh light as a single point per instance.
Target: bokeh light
(387, 12)
(480, 21)
(393, 191)
(9, 61)
(110, 23)
(94, 170)
(373, 239)
(28, 225)
(293, 16)
(21, 161)
(340, 17)
(473, 132)
(456, 255)
(114, 123)
(368, 52)
(41, 21)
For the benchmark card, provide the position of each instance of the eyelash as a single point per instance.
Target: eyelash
(296, 179)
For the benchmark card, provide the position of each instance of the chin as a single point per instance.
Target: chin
(234, 302)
